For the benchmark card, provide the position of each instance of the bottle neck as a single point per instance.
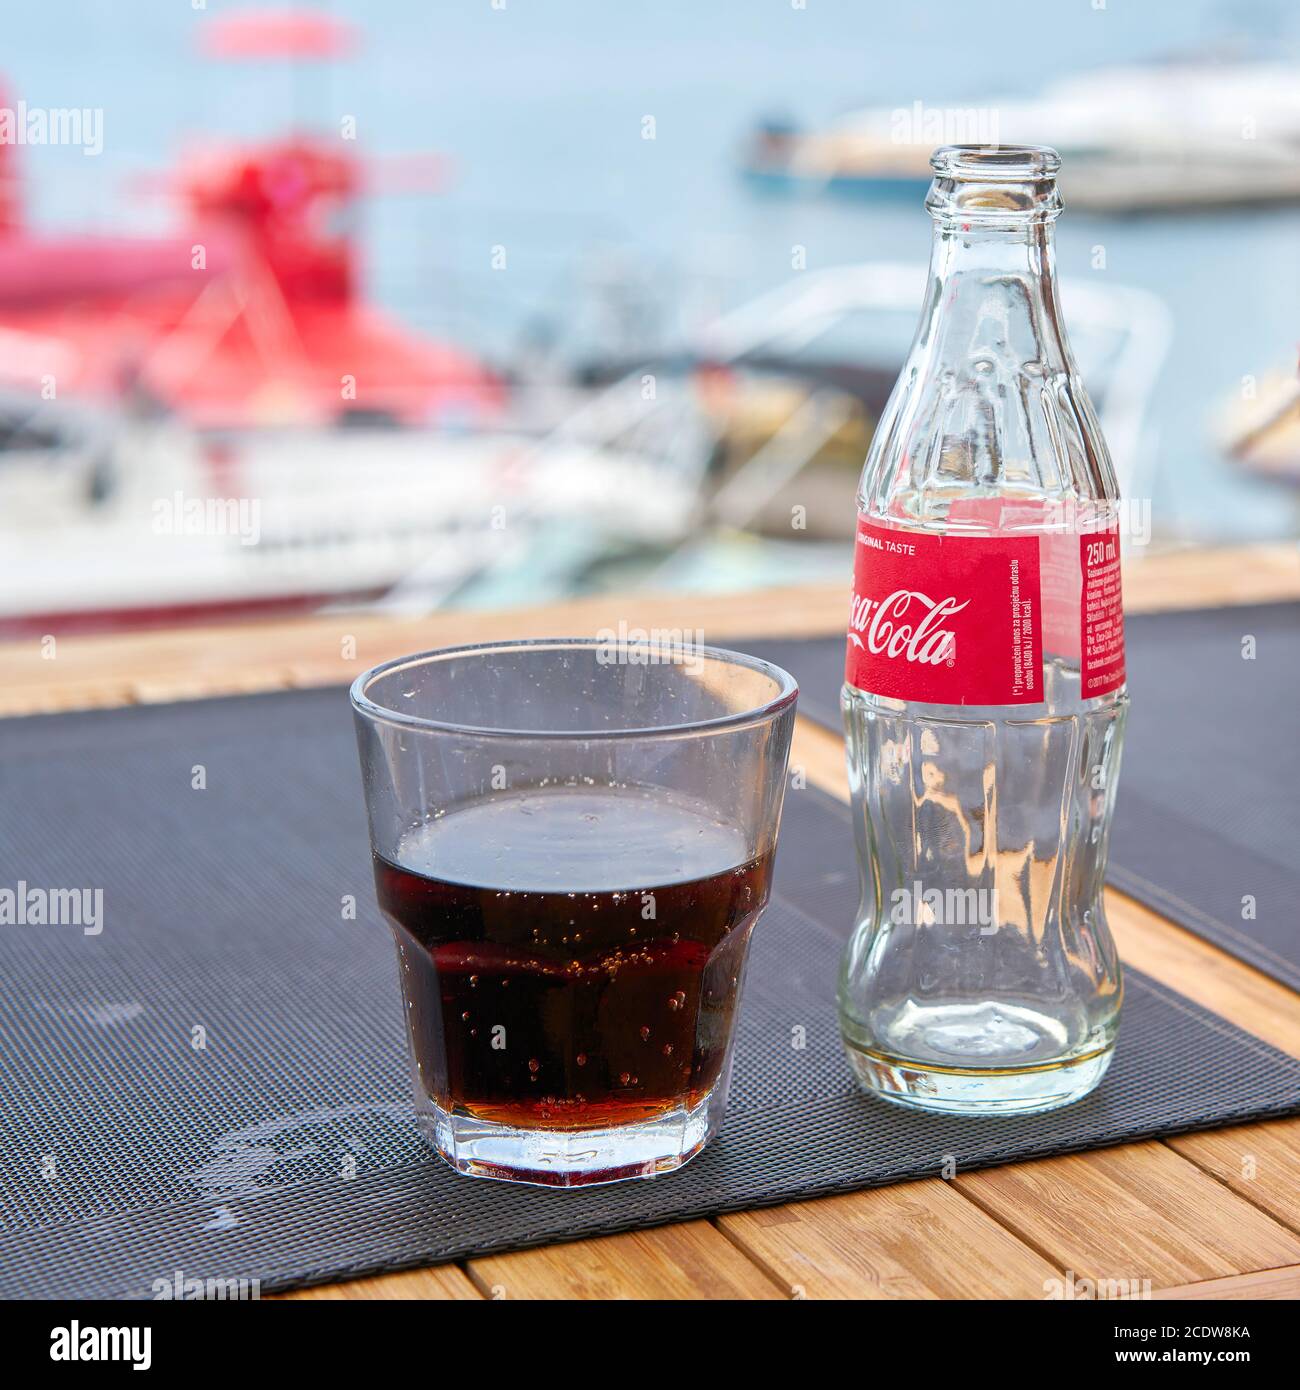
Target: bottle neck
(992, 295)
(989, 403)
(992, 284)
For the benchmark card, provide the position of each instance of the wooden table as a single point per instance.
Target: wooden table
(1212, 1215)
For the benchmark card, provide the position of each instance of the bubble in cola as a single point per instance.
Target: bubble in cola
(984, 698)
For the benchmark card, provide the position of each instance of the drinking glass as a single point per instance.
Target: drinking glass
(572, 842)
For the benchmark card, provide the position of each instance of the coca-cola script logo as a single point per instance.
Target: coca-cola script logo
(925, 640)
(945, 619)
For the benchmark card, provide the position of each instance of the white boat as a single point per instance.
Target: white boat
(1139, 138)
(116, 523)
(1119, 336)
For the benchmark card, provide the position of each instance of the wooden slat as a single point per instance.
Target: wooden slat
(913, 1240)
(1261, 1162)
(1202, 972)
(1262, 1283)
(692, 1260)
(175, 686)
(440, 1282)
(58, 697)
(1136, 1213)
(338, 647)
(1223, 577)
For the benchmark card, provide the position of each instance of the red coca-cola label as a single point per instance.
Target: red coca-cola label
(950, 620)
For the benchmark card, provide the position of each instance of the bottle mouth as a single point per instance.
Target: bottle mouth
(994, 186)
(996, 163)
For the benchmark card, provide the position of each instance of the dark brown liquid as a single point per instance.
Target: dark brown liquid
(571, 959)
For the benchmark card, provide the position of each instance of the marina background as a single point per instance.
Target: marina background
(616, 244)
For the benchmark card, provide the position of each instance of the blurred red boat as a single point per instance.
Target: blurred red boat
(251, 314)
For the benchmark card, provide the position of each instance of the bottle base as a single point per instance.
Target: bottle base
(567, 1158)
(1025, 1090)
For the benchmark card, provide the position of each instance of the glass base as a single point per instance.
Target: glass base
(568, 1158)
(1026, 1090)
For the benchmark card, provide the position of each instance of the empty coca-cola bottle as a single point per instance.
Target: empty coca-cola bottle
(984, 698)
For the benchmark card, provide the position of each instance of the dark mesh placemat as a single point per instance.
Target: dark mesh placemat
(1209, 798)
(130, 1153)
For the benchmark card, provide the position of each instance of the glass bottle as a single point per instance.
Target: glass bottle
(984, 703)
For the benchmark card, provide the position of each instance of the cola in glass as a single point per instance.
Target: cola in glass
(550, 987)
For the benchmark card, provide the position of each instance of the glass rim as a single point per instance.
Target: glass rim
(786, 695)
(996, 163)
